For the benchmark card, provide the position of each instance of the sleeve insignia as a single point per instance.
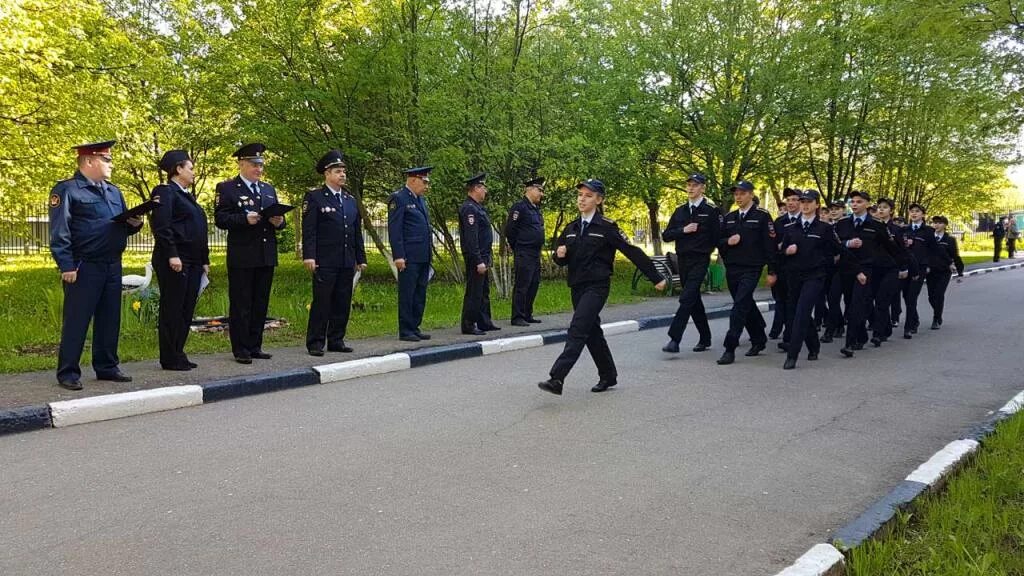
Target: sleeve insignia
(54, 201)
(623, 235)
(216, 199)
(470, 219)
(156, 198)
(515, 215)
(392, 203)
(305, 206)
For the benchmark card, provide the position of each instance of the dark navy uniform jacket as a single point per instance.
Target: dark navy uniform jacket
(948, 253)
(332, 231)
(409, 226)
(757, 240)
(524, 229)
(816, 249)
(781, 223)
(923, 247)
(81, 225)
(590, 255)
(878, 248)
(899, 234)
(249, 246)
(475, 234)
(705, 239)
(179, 225)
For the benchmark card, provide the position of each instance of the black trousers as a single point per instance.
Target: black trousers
(896, 310)
(804, 294)
(998, 249)
(885, 284)
(332, 304)
(476, 300)
(178, 294)
(527, 275)
(938, 281)
(910, 296)
(836, 290)
(821, 306)
(249, 293)
(742, 282)
(857, 307)
(585, 330)
(781, 297)
(692, 272)
(412, 297)
(95, 298)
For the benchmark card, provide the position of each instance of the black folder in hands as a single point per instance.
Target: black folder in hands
(139, 210)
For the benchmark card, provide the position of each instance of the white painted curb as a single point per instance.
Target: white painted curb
(620, 327)
(363, 367)
(510, 344)
(111, 406)
(1014, 405)
(938, 465)
(819, 560)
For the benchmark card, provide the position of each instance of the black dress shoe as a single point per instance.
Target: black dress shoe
(315, 352)
(491, 328)
(755, 349)
(474, 332)
(728, 357)
(826, 338)
(671, 346)
(191, 364)
(261, 355)
(936, 325)
(812, 356)
(602, 385)
(342, 348)
(876, 342)
(846, 352)
(520, 322)
(70, 384)
(243, 359)
(789, 364)
(116, 377)
(533, 321)
(551, 385)
(423, 335)
(410, 338)
(176, 367)
(913, 330)
(907, 335)
(773, 335)
(701, 346)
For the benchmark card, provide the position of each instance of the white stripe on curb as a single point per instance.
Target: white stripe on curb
(111, 406)
(1014, 405)
(620, 327)
(936, 467)
(363, 367)
(510, 344)
(818, 561)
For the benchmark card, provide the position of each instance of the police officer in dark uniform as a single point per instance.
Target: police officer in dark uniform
(920, 241)
(946, 257)
(87, 245)
(410, 236)
(524, 231)
(694, 227)
(252, 250)
(789, 214)
(808, 245)
(587, 246)
(180, 257)
(476, 238)
(747, 245)
(332, 251)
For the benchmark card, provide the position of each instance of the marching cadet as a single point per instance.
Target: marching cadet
(834, 286)
(587, 246)
(476, 239)
(524, 231)
(888, 294)
(920, 241)
(252, 250)
(694, 227)
(944, 259)
(779, 292)
(332, 251)
(747, 245)
(809, 245)
(86, 243)
(180, 257)
(410, 236)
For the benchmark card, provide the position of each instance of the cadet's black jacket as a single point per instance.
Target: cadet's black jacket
(475, 234)
(878, 248)
(781, 223)
(757, 240)
(700, 242)
(524, 228)
(591, 255)
(948, 253)
(899, 234)
(249, 245)
(179, 225)
(332, 231)
(816, 249)
(923, 247)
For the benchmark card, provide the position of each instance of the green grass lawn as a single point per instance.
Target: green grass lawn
(975, 527)
(31, 299)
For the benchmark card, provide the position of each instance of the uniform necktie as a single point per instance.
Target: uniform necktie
(583, 227)
(915, 227)
(743, 217)
(807, 227)
(857, 223)
(256, 196)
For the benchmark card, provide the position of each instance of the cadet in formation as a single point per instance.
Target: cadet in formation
(919, 238)
(332, 251)
(410, 237)
(252, 250)
(524, 231)
(476, 238)
(788, 215)
(87, 243)
(944, 260)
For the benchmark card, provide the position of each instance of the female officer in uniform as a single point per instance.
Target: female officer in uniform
(587, 246)
(180, 258)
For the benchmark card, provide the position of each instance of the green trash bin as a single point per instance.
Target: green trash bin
(715, 280)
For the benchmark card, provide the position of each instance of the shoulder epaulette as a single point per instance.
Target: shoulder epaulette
(607, 219)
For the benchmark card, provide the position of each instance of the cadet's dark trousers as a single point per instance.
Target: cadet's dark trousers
(249, 293)
(804, 294)
(527, 273)
(836, 290)
(821, 306)
(780, 295)
(332, 303)
(94, 297)
(896, 309)
(585, 330)
(742, 282)
(910, 295)
(885, 284)
(412, 297)
(693, 270)
(998, 250)
(476, 301)
(857, 307)
(178, 294)
(938, 281)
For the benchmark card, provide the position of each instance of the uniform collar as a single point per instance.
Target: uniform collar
(333, 191)
(247, 184)
(84, 182)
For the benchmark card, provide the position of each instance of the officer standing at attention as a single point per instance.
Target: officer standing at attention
(252, 250)
(944, 260)
(476, 239)
(747, 244)
(87, 245)
(524, 231)
(332, 251)
(694, 227)
(410, 236)
(920, 241)
(180, 258)
(587, 246)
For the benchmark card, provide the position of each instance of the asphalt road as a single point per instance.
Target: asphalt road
(466, 468)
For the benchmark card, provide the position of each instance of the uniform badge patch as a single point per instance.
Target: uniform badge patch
(771, 229)
(305, 206)
(515, 215)
(216, 199)
(54, 201)
(392, 203)
(156, 198)
(470, 219)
